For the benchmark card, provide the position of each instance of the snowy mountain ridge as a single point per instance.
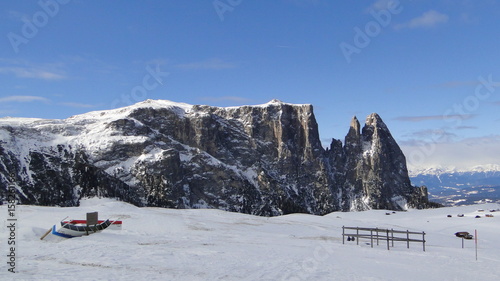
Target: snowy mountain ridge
(451, 186)
(264, 159)
(450, 170)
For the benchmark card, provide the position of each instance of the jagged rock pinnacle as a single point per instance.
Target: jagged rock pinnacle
(353, 138)
(355, 126)
(374, 120)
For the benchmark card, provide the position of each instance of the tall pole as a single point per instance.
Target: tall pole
(475, 234)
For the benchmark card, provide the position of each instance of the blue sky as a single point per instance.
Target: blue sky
(429, 68)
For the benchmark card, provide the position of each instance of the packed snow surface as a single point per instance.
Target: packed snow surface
(166, 244)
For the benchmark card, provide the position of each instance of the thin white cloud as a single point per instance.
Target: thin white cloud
(226, 99)
(78, 105)
(212, 64)
(435, 134)
(426, 20)
(23, 99)
(7, 111)
(461, 154)
(434, 117)
(89, 64)
(304, 2)
(466, 127)
(25, 72)
(457, 84)
(26, 69)
(23, 69)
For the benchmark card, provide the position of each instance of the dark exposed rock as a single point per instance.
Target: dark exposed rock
(264, 160)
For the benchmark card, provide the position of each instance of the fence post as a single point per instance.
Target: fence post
(357, 235)
(371, 237)
(392, 237)
(376, 229)
(387, 239)
(343, 236)
(407, 239)
(423, 239)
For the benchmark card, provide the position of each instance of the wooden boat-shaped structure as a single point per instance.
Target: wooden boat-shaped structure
(77, 228)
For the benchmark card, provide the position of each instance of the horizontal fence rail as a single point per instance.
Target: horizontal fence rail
(384, 234)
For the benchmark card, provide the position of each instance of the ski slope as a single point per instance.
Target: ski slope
(166, 244)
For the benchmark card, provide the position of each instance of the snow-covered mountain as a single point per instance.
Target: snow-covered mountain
(264, 159)
(452, 186)
(438, 170)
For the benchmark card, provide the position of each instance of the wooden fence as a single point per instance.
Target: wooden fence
(381, 234)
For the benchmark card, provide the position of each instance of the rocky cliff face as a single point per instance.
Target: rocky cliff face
(263, 160)
(376, 173)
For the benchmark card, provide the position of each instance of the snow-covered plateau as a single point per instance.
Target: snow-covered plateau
(202, 244)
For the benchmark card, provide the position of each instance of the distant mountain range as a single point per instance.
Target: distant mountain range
(451, 186)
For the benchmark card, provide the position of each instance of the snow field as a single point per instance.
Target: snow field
(166, 244)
